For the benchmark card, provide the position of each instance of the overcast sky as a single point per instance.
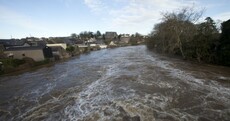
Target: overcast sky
(45, 18)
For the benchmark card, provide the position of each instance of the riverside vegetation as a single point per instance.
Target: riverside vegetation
(179, 33)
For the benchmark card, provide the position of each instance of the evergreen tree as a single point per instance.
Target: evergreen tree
(205, 41)
(224, 47)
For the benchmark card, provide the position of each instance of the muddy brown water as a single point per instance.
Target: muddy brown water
(122, 84)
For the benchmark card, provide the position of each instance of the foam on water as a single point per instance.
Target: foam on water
(127, 87)
(96, 97)
(214, 89)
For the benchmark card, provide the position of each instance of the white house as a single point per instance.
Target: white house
(103, 46)
(112, 43)
(93, 45)
(63, 45)
(91, 40)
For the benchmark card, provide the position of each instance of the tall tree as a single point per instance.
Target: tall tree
(97, 34)
(175, 29)
(85, 35)
(73, 35)
(91, 35)
(181, 27)
(224, 47)
(205, 41)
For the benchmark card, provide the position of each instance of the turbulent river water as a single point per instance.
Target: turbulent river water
(122, 84)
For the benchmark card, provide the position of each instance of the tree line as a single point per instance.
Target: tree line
(179, 33)
(87, 34)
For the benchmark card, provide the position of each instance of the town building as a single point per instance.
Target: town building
(110, 35)
(63, 45)
(37, 53)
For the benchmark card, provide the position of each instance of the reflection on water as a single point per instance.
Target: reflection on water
(128, 83)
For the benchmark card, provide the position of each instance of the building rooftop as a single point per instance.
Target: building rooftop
(25, 48)
(12, 42)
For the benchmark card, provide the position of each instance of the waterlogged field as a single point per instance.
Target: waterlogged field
(122, 84)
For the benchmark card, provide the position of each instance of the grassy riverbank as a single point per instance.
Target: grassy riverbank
(17, 66)
(12, 66)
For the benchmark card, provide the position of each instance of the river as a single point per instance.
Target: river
(121, 84)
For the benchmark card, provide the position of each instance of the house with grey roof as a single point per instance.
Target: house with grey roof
(12, 42)
(110, 35)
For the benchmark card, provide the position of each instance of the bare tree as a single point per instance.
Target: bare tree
(179, 24)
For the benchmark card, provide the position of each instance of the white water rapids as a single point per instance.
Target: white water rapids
(122, 84)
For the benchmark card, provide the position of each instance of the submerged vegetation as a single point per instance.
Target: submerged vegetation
(179, 33)
(10, 65)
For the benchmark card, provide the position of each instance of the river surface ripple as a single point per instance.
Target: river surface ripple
(122, 84)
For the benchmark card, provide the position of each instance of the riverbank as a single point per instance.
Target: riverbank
(29, 66)
(28, 69)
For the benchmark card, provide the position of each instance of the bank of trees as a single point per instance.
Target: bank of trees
(178, 33)
(135, 38)
(85, 35)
